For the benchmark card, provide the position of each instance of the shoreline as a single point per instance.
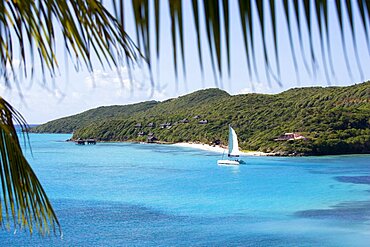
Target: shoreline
(218, 149)
(199, 146)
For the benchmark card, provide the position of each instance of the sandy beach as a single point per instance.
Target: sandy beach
(217, 149)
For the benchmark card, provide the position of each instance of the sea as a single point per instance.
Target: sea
(132, 194)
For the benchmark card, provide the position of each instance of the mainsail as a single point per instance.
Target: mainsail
(233, 143)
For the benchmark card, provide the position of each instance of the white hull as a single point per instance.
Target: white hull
(233, 150)
(227, 162)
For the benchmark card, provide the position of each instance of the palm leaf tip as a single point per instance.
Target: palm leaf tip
(88, 29)
(23, 201)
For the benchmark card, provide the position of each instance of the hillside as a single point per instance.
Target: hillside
(334, 119)
(72, 123)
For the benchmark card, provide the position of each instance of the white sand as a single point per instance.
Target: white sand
(217, 149)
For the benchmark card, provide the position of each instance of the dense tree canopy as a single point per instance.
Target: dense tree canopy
(334, 120)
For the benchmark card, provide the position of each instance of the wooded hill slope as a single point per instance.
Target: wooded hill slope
(335, 120)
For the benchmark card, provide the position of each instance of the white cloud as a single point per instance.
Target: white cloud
(76, 95)
(117, 83)
(57, 93)
(118, 78)
(5, 86)
(3, 89)
(42, 103)
(257, 87)
(98, 78)
(15, 63)
(157, 94)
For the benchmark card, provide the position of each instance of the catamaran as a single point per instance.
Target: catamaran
(233, 151)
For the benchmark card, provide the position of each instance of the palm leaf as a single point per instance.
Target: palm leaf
(207, 4)
(338, 7)
(305, 13)
(245, 18)
(354, 43)
(288, 19)
(319, 7)
(361, 6)
(274, 31)
(87, 27)
(23, 197)
(197, 29)
(225, 6)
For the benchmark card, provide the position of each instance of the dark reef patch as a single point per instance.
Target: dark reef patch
(347, 211)
(354, 179)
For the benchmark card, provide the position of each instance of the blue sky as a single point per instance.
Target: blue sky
(72, 92)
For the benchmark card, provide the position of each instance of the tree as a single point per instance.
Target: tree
(89, 28)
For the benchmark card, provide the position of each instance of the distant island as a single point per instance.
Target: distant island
(300, 121)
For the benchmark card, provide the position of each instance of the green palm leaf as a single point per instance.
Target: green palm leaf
(216, 14)
(23, 197)
(88, 28)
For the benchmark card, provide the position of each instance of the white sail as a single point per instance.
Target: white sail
(233, 143)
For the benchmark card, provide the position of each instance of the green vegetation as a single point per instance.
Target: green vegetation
(336, 120)
(72, 123)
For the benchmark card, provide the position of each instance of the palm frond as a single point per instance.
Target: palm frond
(87, 27)
(302, 18)
(23, 199)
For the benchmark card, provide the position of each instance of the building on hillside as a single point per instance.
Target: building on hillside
(290, 136)
(216, 142)
(185, 120)
(152, 139)
(91, 141)
(141, 133)
(165, 125)
(79, 141)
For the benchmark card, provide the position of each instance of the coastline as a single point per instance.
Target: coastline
(200, 146)
(218, 149)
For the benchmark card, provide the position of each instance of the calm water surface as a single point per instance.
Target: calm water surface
(124, 194)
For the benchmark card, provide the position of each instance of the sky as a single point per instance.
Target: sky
(72, 92)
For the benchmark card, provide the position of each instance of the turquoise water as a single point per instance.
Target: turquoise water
(125, 194)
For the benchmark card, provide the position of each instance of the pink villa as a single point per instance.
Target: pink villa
(290, 136)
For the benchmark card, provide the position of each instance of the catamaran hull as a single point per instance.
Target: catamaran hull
(227, 162)
(233, 151)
